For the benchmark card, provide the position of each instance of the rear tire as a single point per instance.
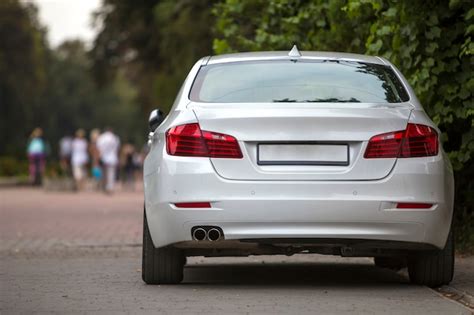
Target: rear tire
(392, 263)
(160, 265)
(433, 268)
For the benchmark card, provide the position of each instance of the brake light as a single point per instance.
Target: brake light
(190, 140)
(412, 205)
(416, 141)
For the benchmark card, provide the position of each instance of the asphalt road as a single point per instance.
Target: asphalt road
(80, 253)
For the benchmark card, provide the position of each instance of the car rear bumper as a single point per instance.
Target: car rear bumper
(301, 209)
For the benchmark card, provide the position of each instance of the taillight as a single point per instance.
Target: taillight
(416, 141)
(190, 140)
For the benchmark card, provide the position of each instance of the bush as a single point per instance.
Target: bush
(464, 233)
(10, 166)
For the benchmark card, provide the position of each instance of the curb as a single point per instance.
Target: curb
(457, 295)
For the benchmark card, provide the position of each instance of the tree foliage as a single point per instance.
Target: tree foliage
(73, 100)
(22, 71)
(157, 42)
(277, 25)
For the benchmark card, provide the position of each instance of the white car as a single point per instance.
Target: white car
(282, 153)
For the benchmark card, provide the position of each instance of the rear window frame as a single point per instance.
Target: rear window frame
(198, 80)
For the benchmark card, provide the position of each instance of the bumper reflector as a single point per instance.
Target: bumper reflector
(193, 205)
(413, 205)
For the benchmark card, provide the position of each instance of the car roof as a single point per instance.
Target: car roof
(283, 55)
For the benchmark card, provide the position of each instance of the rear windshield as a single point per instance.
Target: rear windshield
(301, 81)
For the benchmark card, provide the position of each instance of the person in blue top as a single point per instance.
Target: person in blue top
(36, 151)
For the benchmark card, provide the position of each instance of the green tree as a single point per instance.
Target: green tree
(22, 73)
(156, 42)
(73, 100)
(277, 25)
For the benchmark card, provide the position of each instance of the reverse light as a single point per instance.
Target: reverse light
(413, 205)
(415, 141)
(190, 140)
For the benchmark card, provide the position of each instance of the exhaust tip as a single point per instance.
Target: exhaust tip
(214, 234)
(199, 234)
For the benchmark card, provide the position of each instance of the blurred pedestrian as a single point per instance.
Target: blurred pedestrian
(127, 163)
(79, 158)
(37, 156)
(138, 158)
(65, 152)
(96, 169)
(108, 145)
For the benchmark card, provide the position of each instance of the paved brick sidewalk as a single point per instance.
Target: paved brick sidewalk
(301, 284)
(32, 219)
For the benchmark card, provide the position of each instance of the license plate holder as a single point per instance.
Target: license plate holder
(305, 153)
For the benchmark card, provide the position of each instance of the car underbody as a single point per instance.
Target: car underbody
(337, 247)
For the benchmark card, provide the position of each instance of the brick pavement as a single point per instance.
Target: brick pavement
(301, 284)
(32, 219)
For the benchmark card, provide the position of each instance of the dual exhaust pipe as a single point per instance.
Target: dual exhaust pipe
(207, 233)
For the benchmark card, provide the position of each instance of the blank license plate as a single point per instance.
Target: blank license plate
(303, 154)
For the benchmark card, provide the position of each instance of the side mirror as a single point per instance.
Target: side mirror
(156, 118)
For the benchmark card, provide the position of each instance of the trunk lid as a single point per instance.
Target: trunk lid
(301, 141)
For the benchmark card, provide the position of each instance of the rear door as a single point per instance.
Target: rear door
(302, 141)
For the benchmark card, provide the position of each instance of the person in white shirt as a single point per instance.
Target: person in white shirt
(79, 158)
(108, 145)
